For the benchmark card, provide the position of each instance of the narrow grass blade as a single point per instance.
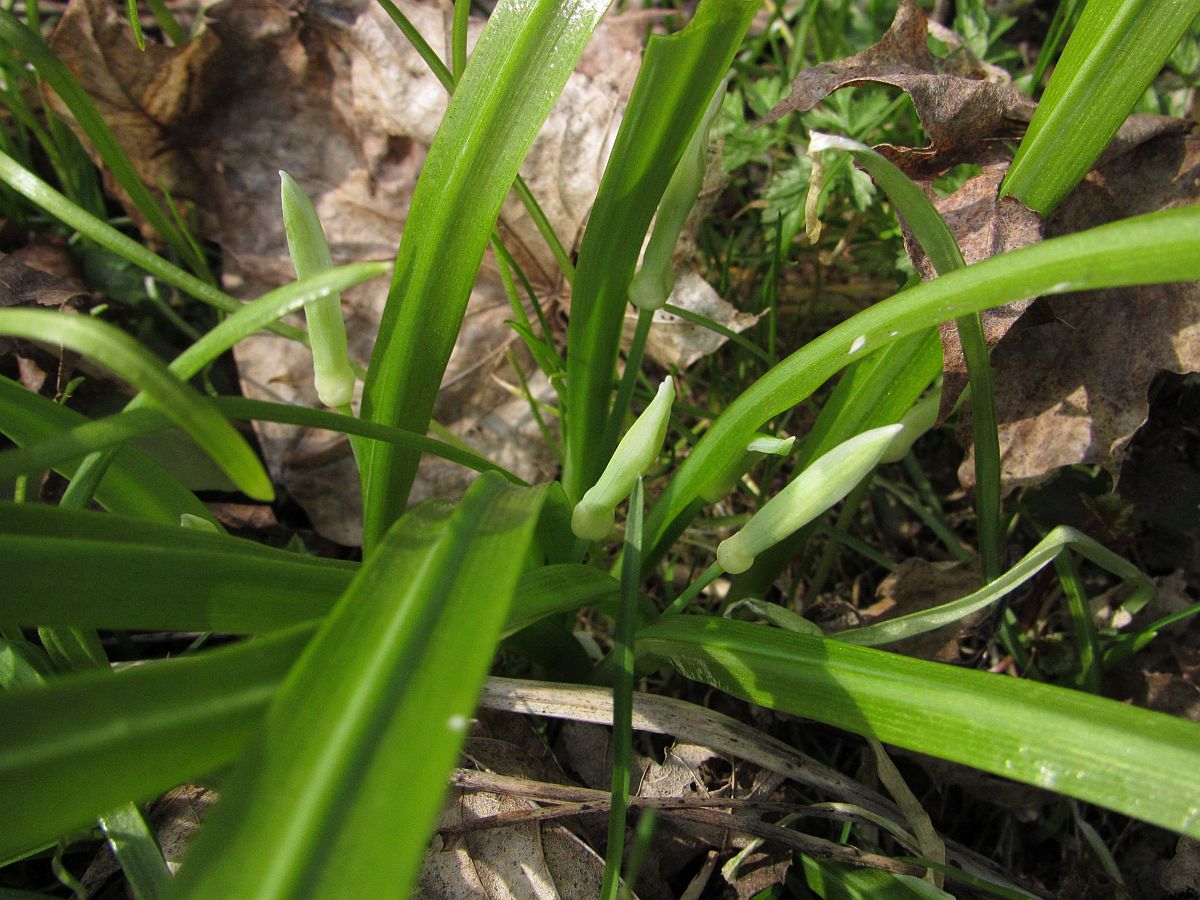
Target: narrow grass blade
(516, 71)
(337, 788)
(134, 484)
(679, 75)
(1046, 551)
(45, 197)
(1117, 49)
(124, 356)
(1140, 763)
(135, 848)
(59, 77)
(1159, 247)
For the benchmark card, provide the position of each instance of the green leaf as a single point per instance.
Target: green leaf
(70, 567)
(1117, 49)
(124, 356)
(679, 75)
(1140, 763)
(515, 73)
(1159, 247)
(85, 744)
(344, 782)
(133, 485)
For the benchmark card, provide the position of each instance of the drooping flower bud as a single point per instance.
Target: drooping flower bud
(326, 331)
(810, 493)
(595, 514)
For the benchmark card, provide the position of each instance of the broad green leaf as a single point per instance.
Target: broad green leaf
(133, 485)
(70, 567)
(1117, 49)
(344, 781)
(59, 77)
(679, 75)
(86, 743)
(515, 73)
(1140, 763)
(1159, 247)
(125, 357)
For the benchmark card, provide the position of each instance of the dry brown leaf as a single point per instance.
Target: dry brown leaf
(676, 343)
(917, 585)
(957, 105)
(334, 94)
(529, 861)
(1071, 386)
(983, 227)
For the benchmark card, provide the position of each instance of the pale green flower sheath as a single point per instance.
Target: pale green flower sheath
(595, 514)
(326, 330)
(813, 491)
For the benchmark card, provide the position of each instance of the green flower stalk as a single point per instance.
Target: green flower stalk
(655, 280)
(812, 492)
(595, 514)
(326, 331)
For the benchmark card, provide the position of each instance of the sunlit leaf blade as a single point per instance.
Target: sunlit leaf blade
(1140, 763)
(1117, 49)
(125, 357)
(1159, 247)
(89, 742)
(70, 567)
(188, 716)
(515, 73)
(134, 484)
(679, 75)
(344, 782)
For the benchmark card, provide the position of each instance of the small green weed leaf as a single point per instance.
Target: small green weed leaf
(833, 880)
(344, 781)
(679, 75)
(1117, 49)
(1159, 247)
(1140, 763)
(124, 356)
(515, 73)
(133, 485)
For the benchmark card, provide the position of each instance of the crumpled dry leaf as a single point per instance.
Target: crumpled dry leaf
(917, 585)
(1071, 386)
(1182, 875)
(334, 94)
(955, 102)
